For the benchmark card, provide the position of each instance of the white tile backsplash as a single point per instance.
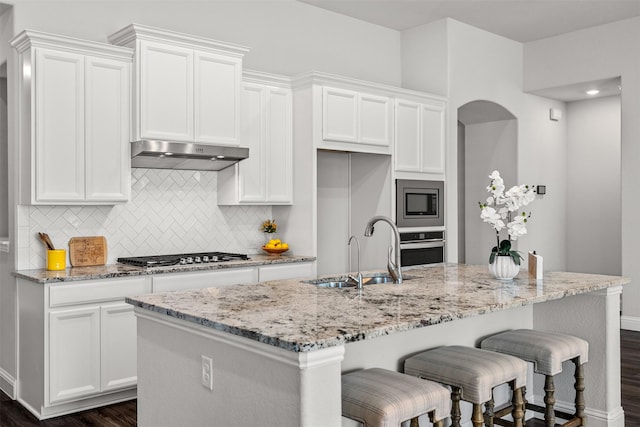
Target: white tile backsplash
(169, 212)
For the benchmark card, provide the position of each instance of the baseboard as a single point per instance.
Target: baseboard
(7, 384)
(630, 323)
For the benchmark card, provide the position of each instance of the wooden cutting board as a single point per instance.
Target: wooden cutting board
(85, 251)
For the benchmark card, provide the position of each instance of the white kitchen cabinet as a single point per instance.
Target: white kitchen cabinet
(285, 271)
(74, 353)
(74, 120)
(266, 176)
(187, 88)
(420, 130)
(118, 356)
(356, 117)
(76, 344)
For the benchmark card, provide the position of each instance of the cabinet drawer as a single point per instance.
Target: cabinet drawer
(284, 272)
(98, 290)
(182, 281)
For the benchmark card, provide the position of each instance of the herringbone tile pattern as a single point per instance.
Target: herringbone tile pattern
(169, 212)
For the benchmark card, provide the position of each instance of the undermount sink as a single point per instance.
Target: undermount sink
(344, 283)
(334, 284)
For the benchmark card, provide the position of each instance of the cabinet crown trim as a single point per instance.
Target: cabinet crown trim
(322, 78)
(133, 32)
(31, 38)
(260, 77)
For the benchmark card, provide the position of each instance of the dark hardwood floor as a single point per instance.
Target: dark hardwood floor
(12, 414)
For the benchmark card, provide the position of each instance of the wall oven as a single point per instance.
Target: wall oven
(421, 247)
(419, 203)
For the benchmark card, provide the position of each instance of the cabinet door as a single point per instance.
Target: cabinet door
(279, 156)
(166, 92)
(107, 130)
(59, 126)
(217, 84)
(375, 120)
(433, 138)
(74, 353)
(251, 171)
(408, 136)
(118, 347)
(339, 115)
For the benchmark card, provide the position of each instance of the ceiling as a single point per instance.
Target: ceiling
(519, 20)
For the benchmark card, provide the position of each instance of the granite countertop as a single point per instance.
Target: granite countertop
(111, 271)
(302, 317)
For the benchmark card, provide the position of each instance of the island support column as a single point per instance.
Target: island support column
(594, 317)
(253, 383)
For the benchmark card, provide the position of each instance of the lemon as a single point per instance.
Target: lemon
(284, 246)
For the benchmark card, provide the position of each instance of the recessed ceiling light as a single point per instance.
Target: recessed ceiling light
(593, 92)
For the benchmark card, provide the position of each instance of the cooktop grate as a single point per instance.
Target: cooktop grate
(181, 259)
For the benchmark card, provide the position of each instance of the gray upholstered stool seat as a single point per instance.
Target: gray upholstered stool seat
(472, 374)
(547, 351)
(379, 397)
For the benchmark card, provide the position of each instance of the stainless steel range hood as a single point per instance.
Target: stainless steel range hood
(156, 154)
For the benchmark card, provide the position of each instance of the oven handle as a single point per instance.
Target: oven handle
(423, 245)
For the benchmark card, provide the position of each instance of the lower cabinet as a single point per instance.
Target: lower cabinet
(74, 353)
(77, 344)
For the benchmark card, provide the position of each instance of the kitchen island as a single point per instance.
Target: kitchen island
(271, 354)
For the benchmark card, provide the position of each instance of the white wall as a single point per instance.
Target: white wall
(593, 179)
(595, 53)
(488, 147)
(4, 175)
(285, 36)
(484, 66)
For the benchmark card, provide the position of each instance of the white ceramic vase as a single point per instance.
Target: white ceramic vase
(504, 268)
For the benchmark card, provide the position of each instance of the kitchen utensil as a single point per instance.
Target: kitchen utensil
(44, 238)
(86, 251)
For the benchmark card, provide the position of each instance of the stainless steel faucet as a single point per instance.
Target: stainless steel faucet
(393, 267)
(358, 278)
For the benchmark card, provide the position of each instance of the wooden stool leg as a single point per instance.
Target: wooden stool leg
(517, 411)
(456, 415)
(439, 423)
(488, 412)
(549, 401)
(579, 386)
(476, 417)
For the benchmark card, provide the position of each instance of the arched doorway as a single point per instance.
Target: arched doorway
(487, 141)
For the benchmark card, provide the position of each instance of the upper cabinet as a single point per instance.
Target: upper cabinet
(357, 117)
(186, 88)
(420, 135)
(266, 176)
(74, 98)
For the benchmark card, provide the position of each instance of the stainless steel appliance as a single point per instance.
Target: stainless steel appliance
(419, 203)
(153, 154)
(421, 247)
(181, 259)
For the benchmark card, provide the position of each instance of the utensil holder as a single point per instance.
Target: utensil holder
(56, 259)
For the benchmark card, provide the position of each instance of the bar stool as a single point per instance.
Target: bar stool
(472, 374)
(547, 351)
(382, 398)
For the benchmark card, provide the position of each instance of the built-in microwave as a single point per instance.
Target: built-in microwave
(419, 203)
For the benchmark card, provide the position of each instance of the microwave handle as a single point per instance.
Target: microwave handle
(423, 245)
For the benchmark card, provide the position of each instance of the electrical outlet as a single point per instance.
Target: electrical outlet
(207, 372)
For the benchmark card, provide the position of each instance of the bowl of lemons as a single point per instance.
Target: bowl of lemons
(275, 247)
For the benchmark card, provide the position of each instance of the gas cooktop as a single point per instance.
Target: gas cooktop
(182, 259)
